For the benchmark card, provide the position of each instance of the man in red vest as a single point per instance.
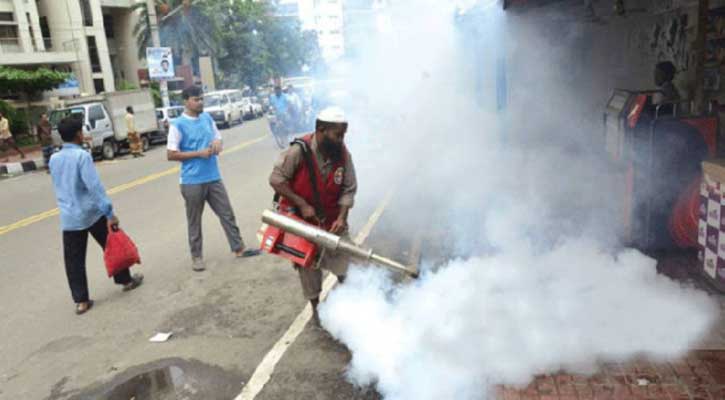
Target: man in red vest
(315, 179)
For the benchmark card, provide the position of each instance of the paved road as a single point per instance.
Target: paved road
(224, 320)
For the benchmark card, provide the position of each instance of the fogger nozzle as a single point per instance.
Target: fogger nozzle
(331, 241)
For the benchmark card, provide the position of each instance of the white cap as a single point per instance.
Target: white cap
(332, 114)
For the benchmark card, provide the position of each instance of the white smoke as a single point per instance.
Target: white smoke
(541, 286)
(502, 319)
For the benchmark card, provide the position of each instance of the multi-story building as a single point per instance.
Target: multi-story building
(329, 23)
(363, 18)
(323, 16)
(93, 39)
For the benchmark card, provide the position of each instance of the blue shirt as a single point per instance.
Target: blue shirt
(194, 134)
(79, 192)
(279, 103)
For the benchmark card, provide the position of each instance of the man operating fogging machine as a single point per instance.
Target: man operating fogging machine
(315, 179)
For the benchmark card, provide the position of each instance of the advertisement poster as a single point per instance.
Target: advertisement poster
(161, 63)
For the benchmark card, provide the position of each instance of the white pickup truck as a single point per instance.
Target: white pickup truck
(104, 123)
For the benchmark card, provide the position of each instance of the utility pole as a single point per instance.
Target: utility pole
(154, 28)
(700, 44)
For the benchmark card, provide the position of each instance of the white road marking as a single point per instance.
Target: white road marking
(264, 370)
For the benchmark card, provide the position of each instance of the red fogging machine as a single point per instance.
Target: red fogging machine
(292, 238)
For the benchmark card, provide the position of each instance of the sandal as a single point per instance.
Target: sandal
(82, 308)
(249, 253)
(136, 281)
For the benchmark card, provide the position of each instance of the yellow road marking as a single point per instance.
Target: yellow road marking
(118, 189)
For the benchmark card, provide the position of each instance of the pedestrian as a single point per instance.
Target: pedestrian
(134, 140)
(315, 179)
(664, 74)
(84, 208)
(6, 137)
(195, 141)
(44, 132)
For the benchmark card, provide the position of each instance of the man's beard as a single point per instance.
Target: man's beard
(331, 150)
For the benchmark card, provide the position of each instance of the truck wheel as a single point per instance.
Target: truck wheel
(145, 144)
(108, 150)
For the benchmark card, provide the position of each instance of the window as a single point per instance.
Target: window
(108, 25)
(7, 17)
(45, 31)
(96, 112)
(98, 85)
(9, 32)
(175, 112)
(9, 38)
(86, 12)
(93, 54)
(32, 32)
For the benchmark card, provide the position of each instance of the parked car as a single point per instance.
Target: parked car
(258, 109)
(103, 116)
(164, 116)
(220, 106)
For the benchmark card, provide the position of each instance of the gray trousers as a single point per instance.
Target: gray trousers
(311, 278)
(216, 195)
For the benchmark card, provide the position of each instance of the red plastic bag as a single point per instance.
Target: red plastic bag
(121, 253)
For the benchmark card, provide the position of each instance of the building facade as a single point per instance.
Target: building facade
(93, 39)
(326, 17)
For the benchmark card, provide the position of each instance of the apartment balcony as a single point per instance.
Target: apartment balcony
(117, 3)
(11, 53)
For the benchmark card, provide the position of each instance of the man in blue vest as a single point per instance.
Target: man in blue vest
(195, 141)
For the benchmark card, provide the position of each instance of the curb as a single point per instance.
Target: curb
(21, 167)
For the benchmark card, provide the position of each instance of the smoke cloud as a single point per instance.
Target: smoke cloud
(538, 282)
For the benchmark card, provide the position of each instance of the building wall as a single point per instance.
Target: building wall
(69, 44)
(561, 66)
(123, 46)
(326, 17)
(329, 22)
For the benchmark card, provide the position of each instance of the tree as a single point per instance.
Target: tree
(189, 33)
(30, 83)
(258, 45)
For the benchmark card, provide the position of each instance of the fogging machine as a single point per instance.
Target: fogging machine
(290, 237)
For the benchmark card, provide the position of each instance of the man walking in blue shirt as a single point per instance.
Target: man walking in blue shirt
(84, 208)
(195, 141)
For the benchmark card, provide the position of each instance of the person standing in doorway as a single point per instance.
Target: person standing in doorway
(134, 140)
(195, 141)
(6, 137)
(84, 208)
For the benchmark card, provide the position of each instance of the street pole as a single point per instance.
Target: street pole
(154, 28)
(700, 44)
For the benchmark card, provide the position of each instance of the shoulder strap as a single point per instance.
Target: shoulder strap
(307, 156)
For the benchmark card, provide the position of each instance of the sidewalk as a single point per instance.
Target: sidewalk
(15, 165)
(700, 375)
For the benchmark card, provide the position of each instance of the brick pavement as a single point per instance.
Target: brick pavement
(698, 376)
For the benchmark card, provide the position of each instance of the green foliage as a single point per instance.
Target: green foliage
(30, 82)
(18, 121)
(248, 44)
(258, 45)
(125, 85)
(190, 35)
(156, 94)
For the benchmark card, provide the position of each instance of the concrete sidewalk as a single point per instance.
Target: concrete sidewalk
(12, 164)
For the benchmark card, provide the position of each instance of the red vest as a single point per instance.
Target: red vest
(329, 187)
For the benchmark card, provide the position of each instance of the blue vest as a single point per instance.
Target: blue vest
(197, 134)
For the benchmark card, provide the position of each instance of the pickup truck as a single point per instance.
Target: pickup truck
(104, 123)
